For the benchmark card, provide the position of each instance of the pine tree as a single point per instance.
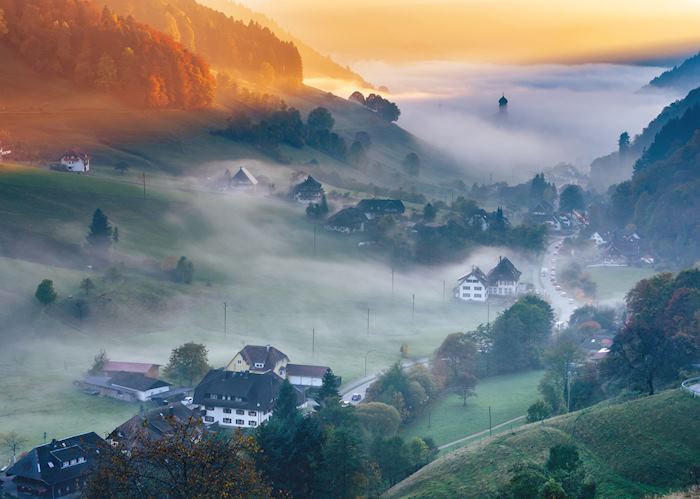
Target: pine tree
(329, 388)
(45, 292)
(86, 285)
(100, 234)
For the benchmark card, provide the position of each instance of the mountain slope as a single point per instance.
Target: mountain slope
(641, 447)
(316, 65)
(682, 77)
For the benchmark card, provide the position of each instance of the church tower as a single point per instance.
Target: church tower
(503, 104)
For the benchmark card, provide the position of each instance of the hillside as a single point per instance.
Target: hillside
(247, 51)
(316, 65)
(684, 76)
(97, 50)
(646, 446)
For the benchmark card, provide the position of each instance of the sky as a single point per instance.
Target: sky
(501, 31)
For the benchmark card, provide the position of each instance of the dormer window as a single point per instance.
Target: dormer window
(259, 365)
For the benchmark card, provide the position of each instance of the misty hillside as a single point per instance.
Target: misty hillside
(248, 51)
(684, 77)
(632, 449)
(316, 65)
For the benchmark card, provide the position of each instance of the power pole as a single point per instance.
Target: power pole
(490, 432)
(367, 321)
(568, 387)
(225, 318)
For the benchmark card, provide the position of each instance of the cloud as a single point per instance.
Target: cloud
(555, 113)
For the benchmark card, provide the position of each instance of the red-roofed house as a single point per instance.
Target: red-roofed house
(113, 367)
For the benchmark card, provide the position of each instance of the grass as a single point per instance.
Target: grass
(632, 449)
(613, 283)
(447, 420)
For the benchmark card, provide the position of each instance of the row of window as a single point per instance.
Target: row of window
(215, 396)
(240, 422)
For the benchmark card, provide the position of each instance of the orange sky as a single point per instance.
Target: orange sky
(491, 30)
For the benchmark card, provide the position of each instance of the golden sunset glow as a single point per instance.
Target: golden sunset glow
(493, 31)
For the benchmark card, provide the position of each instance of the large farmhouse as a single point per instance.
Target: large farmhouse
(309, 191)
(59, 468)
(259, 359)
(75, 161)
(501, 281)
(378, 207)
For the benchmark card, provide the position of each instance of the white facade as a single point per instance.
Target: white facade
(241, 418)
(145, 395)
(305, 380)
(75, 163)
(471, 289)
(504, 288)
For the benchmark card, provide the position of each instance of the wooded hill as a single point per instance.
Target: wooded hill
(632, 449)
(684, 76)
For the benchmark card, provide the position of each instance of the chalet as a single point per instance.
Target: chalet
(472, 286)
(306, 376)
(309, 191)
(503, 279)
(379, 207)
(57, 469)
(243, 179)
(238, 399)
(75, 161)
(259, 360)
(112, 367)
(130, 387)
(154, 424)
(347, 221)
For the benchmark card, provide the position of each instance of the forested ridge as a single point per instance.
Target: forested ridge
(99, 50)
(246, 50)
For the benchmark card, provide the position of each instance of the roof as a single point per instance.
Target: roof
(46, 462)
(128, 367)
(243, 176)
(347, 217)
(504, 271)
(381, 206)
(75, 153)
(310, 184)
(156, 423)
(267, 355)
(306, 370)
(238, 390)
(476, 272)
(502, 101)
(136, 381)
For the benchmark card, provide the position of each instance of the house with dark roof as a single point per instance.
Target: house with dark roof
(472, 286)
(259, 359)
(309, 191)
(238, 399)
(57, 469)
(347, 221)
(243, 179)
(112, 367)
(75, 160)
(306, 376)
(130, 387)
(373, 208)
(503, 279)
(153, 425)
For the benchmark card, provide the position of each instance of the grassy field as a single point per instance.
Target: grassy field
(633, 449)
(252, 252)
(509, 396)
(613, 283)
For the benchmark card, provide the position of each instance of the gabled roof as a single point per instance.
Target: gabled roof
(502, 101)
(504, 271)
(347, 217)
(243, 176)
(476, 272)
(306, 370)
(310, 184)
(155, 423)
(128, 367)
(136, 381)
(381, 206)
(241, 390)
(267, 355)
(75, 153)
(46, 462)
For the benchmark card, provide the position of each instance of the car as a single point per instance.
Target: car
(571, 301)
(563, 293)
(558, 288)
(356, 397)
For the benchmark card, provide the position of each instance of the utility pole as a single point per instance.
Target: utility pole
(225, 318)
(490, 432)
(143, 176)
(568, 387)
(367, 321)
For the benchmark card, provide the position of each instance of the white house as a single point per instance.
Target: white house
(238, 399)
(472, 286)
(4, 152)
(259, 359)
(76, 161)
(143, 387)
(503, 279)
(305, 375)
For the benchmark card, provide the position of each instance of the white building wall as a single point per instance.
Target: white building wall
(472, 290)
(76, 166)
(216, 414)
(305, 381)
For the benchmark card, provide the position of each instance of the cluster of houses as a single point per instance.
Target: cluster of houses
(502, 281)
(240, 395)
(621, 249)
(356, 218)
(557, 222)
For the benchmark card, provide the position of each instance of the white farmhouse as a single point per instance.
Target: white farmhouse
(75, 161)
(503, 279)
(472, 286)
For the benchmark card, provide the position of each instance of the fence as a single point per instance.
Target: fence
(689, 386)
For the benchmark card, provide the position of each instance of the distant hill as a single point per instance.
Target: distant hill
(638, 448)
(683, 77)
(246, 50)
(72, 39)
(316, 65)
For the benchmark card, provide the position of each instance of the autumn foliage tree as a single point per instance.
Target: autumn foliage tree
(98, 50)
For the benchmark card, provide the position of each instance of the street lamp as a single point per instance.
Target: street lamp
(368, 352)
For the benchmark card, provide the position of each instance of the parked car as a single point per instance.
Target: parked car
(356, 397)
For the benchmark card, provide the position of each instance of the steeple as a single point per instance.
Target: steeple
(503, 102)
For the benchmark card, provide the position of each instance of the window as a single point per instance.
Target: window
(214, 396)
(227, 411)
(209, 407)
(240, 421)
(240, 412)
(227, 420)
(477, 295)
(252, 413)
(209, 419)
(252, 423)
(259, 365)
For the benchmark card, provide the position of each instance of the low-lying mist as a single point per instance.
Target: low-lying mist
(555, 114)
